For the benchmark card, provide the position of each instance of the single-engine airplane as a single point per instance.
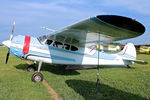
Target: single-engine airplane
(72, 45)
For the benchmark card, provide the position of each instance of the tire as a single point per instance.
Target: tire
(31, 68)
(37, 77)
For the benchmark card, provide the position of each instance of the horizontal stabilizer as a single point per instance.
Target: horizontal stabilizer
(129, 54)
(140, 62)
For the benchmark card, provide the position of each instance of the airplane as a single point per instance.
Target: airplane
(72, 45)
(144, 49)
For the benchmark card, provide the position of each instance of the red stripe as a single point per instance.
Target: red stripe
(26, 45)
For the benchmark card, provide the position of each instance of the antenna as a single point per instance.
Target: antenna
(98, 81)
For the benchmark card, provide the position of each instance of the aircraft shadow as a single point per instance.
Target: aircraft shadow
(87, 90)
(55, 69)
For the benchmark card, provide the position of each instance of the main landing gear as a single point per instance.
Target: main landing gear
(37, 76)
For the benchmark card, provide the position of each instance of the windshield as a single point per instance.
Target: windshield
(42, 39)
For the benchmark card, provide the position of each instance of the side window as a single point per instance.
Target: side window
(58, 44)
(66, 46)
(49, 42)
(73, 48)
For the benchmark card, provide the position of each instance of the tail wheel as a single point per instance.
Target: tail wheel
(128, 66)
(37, 77)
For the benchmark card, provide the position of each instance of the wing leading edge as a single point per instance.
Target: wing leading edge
(110, 27)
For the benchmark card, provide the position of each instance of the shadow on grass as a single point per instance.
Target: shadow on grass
(87, 89)
(55, 69)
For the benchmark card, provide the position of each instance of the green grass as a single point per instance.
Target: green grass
(115, 83)
(15, 84)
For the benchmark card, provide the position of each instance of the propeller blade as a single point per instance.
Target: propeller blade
(12, 32)
(7, 57)
(11, 37)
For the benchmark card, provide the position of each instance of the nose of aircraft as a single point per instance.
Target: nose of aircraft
(7, 43)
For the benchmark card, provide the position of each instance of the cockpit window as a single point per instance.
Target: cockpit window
(73, 48)
(58, 44)
(45, 40)
(66, 46)
(49, 42)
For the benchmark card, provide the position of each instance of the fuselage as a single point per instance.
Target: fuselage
(30, 48)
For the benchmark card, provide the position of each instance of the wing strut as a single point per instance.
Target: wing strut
(98, 81)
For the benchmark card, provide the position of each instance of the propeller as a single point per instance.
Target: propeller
(11, 37)
(7, 56)
(12, 32)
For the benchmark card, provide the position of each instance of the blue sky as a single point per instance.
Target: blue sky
(56, 14)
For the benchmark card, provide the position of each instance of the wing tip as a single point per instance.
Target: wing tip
(123, 22)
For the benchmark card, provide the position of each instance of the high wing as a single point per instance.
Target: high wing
(110, 27)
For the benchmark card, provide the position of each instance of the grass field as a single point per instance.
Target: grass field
(115, 83)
